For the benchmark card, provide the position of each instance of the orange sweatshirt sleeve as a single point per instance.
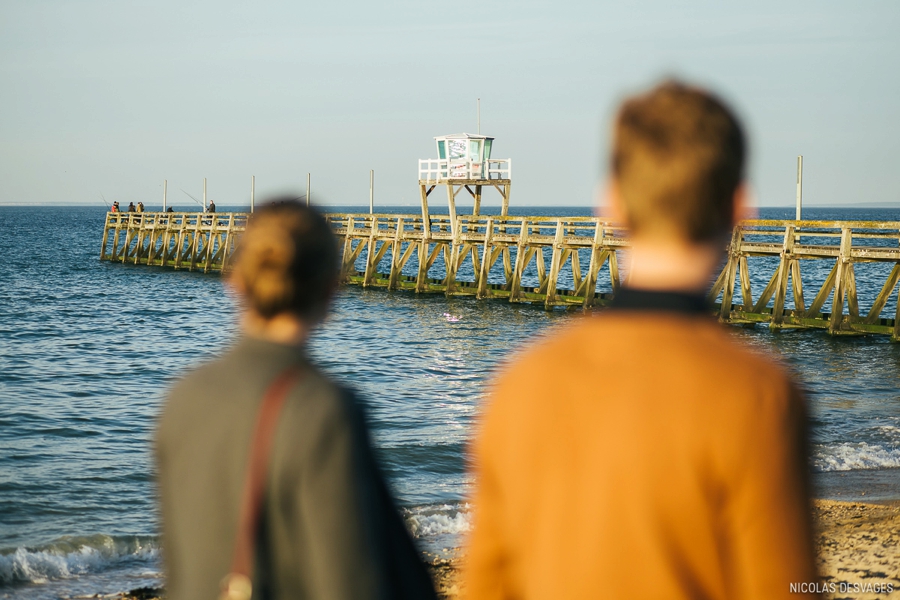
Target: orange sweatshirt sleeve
(768, 510)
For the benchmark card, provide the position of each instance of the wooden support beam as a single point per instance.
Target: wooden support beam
(453, 258)
(614, 271)
(784, 270)
(515, 291)
(734, 253)
(746, 292)
(487, 254)
(824, 292)
(767, 292)
(552, 297)
(835, 323)
(371, 263)
(883, 295)
(396, 256)
(106, 225)
(426, 218)
(598, 257)
(797, 288)
(852, 299)
(541, 265)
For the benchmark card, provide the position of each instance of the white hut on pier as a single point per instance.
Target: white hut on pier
(464, 162)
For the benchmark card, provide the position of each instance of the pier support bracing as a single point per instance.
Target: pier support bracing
(565, 261)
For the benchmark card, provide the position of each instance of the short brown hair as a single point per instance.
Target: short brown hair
(286, 260)
(678, 157)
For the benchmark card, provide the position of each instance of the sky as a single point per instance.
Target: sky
(111, 98)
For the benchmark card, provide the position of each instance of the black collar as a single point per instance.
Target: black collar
(683, 302)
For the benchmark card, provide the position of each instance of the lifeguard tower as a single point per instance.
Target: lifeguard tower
(464, 162)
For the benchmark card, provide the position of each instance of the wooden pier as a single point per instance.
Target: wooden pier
(565, 261)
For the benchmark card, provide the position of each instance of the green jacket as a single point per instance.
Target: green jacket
(330, 528)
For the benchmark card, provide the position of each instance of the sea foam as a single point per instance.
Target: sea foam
(850, 456)
(69, 557)
(438, 519)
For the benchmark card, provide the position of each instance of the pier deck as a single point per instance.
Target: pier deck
(566, 261)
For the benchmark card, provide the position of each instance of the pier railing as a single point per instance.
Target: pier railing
(436, 170)
(194, 241)
(852, 268)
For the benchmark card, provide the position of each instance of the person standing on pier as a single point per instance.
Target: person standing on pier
(212, 207)
(645, 452)
(306, 499)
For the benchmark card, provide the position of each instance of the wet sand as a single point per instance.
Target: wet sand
(859, 553)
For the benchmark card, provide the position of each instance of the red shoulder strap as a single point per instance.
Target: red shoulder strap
(256, 475)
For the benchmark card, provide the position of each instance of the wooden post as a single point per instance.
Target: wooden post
(426, 220)
(422, 274)
(370, 257)
(452, 262)
(165, 186)
(229, 243)
(799, 187)
(372, 191)
(396, 257)
(477, 209)
(105, 236)
(482, 281)
(504, 208)
(555, 261)
(746, 292)
(840, 283)
(210, 243)
(784, 270)
(590, 281)
(730, 270)
(797, 287)
(451, 203)
(515, 287)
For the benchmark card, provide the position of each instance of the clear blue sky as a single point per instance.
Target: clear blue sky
(114, 97)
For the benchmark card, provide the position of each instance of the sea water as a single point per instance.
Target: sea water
(88, 348)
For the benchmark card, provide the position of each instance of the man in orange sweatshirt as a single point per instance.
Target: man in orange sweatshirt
(645, 452)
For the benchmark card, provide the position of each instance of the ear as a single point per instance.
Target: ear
(611, 205)
(744, 204)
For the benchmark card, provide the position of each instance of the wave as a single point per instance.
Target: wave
(71, 556)
(855, 456)
(438, 519)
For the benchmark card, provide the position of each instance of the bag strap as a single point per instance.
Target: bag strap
(237, 584)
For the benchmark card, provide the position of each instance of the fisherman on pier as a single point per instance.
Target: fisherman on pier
(140, 207)
(212, 207)
(645, 452)
(131, 207)
(115, 207)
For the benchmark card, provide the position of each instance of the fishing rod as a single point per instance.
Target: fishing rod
(192, 198)
(105, 202)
